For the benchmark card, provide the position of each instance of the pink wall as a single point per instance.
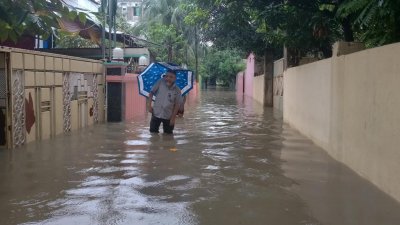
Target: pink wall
(135, 104)
(192, 96)
(249, 76)
(240, 83)
(244, 80)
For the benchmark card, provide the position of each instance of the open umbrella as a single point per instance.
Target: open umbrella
(155, 71)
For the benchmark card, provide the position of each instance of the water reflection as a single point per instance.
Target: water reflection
(229, 162)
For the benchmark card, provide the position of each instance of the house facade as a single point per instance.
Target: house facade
(132, 10)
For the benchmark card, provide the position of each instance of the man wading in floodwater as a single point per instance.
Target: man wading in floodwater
(166, 105)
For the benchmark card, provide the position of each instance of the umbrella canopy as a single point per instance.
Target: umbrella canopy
(155, 71)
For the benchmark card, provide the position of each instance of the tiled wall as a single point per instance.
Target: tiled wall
(53, 94)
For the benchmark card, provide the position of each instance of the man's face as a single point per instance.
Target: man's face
(170, 79)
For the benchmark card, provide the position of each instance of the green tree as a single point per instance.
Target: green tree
(376, 22)
(37, 17)
(171, 13)
(171, 42)
(166, 12)
(227, 24)
(68, 40)
(309, 27)
(222, 66)
(71, 40)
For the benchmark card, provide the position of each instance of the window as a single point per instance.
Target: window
(136, 11)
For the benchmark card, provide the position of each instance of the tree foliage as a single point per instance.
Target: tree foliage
(175, 26)
(304, 27)
(257, 25)
(308, 27)
(73, 40)
(171, 43)
(68, 40)
(163, 23)
(223, 66)
(376, 22)
(37, 17)
(226, 24)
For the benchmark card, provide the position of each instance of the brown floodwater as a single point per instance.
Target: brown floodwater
(229, 162)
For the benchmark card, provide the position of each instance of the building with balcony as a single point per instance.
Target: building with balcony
(132, 10)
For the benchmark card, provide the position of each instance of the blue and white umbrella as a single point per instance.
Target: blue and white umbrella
(155, 71)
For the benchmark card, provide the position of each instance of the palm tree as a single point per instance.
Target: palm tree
(172, 13)
(376, 21)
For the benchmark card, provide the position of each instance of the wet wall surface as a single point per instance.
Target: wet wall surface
(230, 161)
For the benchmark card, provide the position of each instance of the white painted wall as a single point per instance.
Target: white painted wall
(306, 99)
(278, 82)
(350, 105)
(258, 89)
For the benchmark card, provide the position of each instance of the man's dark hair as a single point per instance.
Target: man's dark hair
(171, 71)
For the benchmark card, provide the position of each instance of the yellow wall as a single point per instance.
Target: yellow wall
(306, 99)
(258, 89)
(43, 80)
(102, 102)
(74, 115)
(45, 113)
(350, 105)
(31, 136)
(90, 104)
(58, 111)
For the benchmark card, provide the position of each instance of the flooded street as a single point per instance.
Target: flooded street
(229, 162)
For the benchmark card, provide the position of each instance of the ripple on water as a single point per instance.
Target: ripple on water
(134, 182)
(104, 155)
(99, 181)
(88, 191)
(181, 142)
(176, 178)
(135, 156)
(145, 135)
(136, 142)
(218, 154)
(132, 161)
(137, 151)
(212, 144)
(212, 167)
(104, 160)
(229, 169)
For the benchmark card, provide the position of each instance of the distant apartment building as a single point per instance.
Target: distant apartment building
(131, 9)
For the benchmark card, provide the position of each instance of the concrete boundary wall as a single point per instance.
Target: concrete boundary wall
(350, 106)
(278, 84)
(240, 83)
(307, 97)
(249, 75)
(259, 89)
(50, 94)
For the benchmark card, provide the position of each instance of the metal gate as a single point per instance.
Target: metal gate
(4, 101)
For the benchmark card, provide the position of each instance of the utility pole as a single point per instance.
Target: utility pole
(114, 19)
(103, 30)
(196, 53)
(109, 29)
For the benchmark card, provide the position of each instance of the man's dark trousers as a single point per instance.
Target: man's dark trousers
(156, 122)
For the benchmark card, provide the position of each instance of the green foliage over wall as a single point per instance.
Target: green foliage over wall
(38, 17)
(223, 66)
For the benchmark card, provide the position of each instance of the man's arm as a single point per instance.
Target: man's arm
(151, 95)
(176, 109)
(177, 105)
(149, 100)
